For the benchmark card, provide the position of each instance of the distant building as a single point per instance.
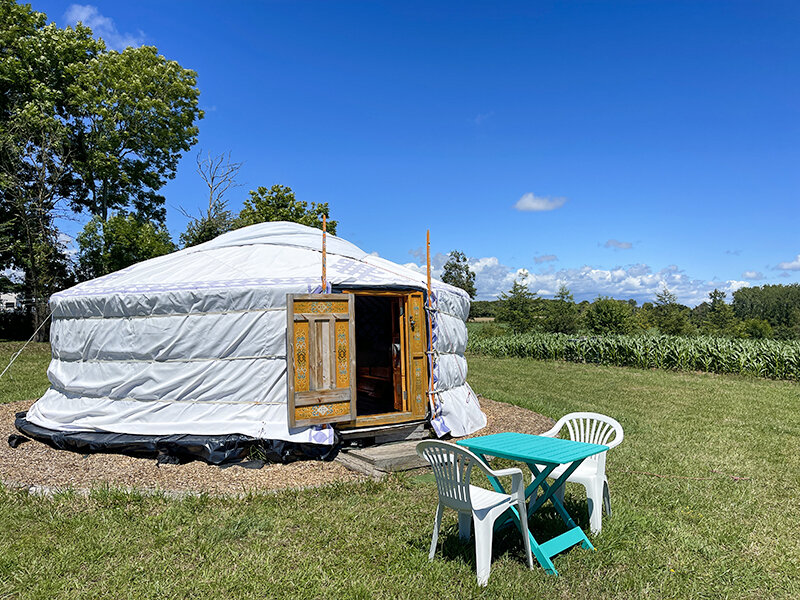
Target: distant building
(10, 301)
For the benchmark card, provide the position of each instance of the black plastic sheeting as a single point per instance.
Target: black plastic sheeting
(213, 449)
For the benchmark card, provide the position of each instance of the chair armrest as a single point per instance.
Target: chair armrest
(617, 440)
(551, 432)
(504, 472)
(517, 481)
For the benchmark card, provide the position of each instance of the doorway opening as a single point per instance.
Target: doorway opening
(380, 362)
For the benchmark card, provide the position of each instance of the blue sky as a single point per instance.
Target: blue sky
(615, 147)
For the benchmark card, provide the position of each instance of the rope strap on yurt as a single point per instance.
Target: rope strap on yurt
(14, 357)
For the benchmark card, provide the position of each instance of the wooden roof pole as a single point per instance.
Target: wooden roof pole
(430, 327)
(324, 257)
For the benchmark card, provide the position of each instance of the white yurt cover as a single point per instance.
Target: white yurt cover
(194, 342)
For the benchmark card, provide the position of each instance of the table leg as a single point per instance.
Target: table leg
(575, 534)
(536, 548)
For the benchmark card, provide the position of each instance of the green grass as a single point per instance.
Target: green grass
(669, 537)
(27, 377)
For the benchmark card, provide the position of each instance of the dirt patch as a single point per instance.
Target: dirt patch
(34, 464)
(505, 417)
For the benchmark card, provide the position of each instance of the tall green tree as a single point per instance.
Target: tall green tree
(80, 128)
(278, 203)
(118, 242)
(670, 317)
(607, 315)
(779, 305)
(720, 318)
(457, 272)
(519, 307)
(561, 313)
(135, 116)
(39, 66)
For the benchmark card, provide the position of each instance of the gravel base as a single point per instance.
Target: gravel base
(38, 467)
(506, 417)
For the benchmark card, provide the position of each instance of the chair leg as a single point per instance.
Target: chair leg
(483, 548)
(594, 498)
(436, 525)
(606, 498)
(464, 525)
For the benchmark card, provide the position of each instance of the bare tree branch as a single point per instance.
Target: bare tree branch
(219, 174)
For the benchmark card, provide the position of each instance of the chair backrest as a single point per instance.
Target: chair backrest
(593, 428)
(452, 468)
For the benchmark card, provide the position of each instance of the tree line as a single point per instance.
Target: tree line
(765, 312)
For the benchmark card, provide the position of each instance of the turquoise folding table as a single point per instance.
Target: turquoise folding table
(537, 451)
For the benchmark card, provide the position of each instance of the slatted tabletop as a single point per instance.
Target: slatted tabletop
(532, 448)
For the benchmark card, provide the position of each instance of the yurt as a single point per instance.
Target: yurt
(233, 341)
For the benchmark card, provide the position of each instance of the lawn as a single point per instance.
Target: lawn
(694, 532)
(27, 377)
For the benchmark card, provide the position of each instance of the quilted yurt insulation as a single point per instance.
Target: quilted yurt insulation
(194, 342)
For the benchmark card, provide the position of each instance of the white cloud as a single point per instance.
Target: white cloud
(752, 275)
(544, 258)
(102, 27)
(793, 265)
(532, 203)
(638, 281)
(618, 245)
(437, 260)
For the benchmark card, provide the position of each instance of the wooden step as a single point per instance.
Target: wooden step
(377, 461)
(382, 434)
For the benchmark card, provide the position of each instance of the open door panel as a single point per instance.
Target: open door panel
(417, 342)
(321, 358)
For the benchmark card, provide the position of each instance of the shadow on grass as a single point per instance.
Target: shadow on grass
(544, 524)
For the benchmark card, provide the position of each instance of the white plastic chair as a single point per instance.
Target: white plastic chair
(452, 467)
(591, 474)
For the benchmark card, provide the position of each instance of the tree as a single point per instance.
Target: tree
(8, 285)
(135, 116)
(519, 307)
(607, 315)
(644, 318)
(670, 317)
(80, 127)
(561, 314)
(757, 329)
(483, 308)
(39, 67)
(458, 273)
(219, 175)
(720, 319)
(279, 204)
(779, 305)
(665, 297)
(120, 241)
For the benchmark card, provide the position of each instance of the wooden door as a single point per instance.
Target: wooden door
(320, 358)
(417, 343)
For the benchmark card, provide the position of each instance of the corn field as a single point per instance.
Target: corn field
(762, 358)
